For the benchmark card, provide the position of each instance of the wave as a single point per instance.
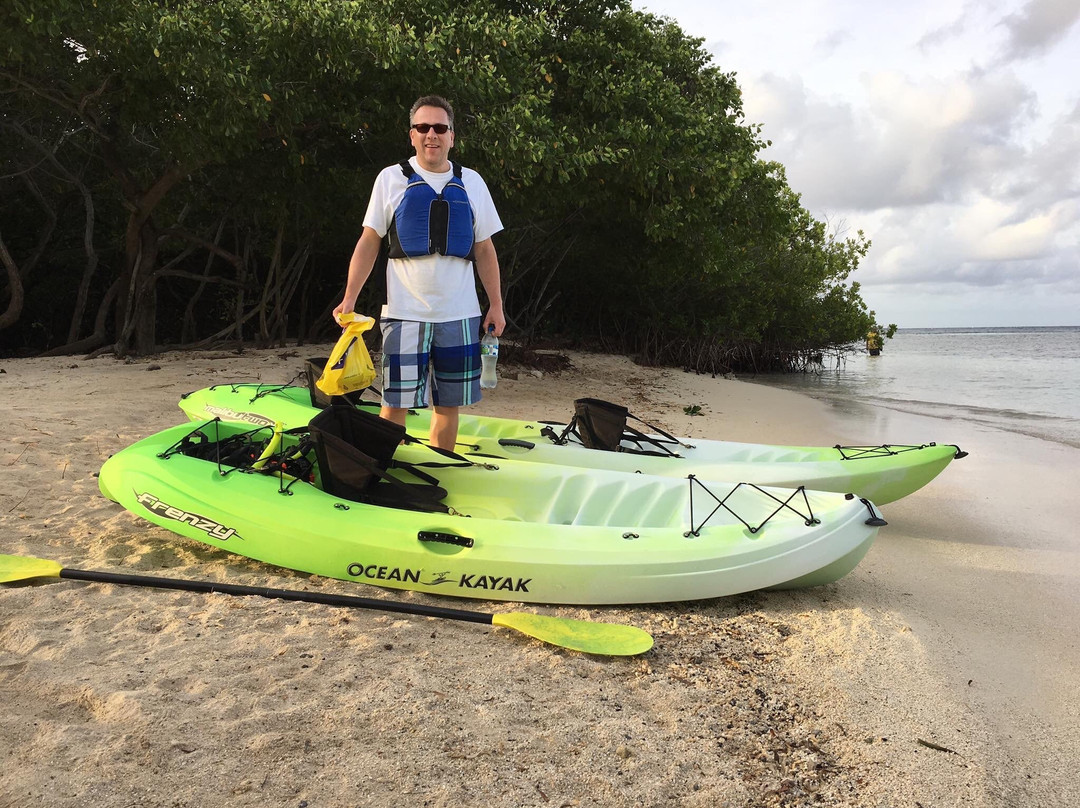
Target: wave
(1053, 428)
(959, 410)
(1028, 329)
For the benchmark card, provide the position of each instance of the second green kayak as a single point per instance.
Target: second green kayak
(882, 473)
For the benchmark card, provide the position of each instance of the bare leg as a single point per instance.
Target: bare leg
(444, 427)
(395, 414)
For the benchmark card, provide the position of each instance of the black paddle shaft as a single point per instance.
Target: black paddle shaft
(209, 587)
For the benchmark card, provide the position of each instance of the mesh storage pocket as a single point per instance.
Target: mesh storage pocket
(346, 472)
(313, 367)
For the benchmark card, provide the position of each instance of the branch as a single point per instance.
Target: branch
(195, 238)
(98, 337)
(191, 276)
(58, 100)
(225, 331)
(15, 301)
(156, 192)
(63, 101)
(46, 232)
(88, 230)
(188, 327)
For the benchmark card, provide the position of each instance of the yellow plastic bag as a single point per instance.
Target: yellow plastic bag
(349, 367)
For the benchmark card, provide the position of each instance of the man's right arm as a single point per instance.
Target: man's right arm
(363, 259)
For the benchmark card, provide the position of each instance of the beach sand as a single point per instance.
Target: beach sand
(941, 672)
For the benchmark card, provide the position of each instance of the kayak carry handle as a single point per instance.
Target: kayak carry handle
(444, 538)
(874, 520)
(523, 444)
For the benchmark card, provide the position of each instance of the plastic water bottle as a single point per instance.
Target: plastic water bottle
(489, 355)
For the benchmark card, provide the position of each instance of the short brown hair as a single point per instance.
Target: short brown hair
(433, 101)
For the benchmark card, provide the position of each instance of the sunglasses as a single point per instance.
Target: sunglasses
(424, 128)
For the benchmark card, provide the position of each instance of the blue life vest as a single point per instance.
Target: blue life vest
(426, 223)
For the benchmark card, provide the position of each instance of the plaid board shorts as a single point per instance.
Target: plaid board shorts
(444, 355)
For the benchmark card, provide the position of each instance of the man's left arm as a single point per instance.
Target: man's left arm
(487, 268)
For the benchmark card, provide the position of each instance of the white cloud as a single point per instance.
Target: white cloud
(908, 144)
(948, 131)
(944, 34)
(958, 305)
(1038, 26)
(831, 42)
(1053, 167)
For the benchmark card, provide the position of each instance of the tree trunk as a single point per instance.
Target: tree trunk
(136, 313)
(91, 264)
(98, 337)
(11, 314)
(88, 230)
(188, 329)
(46, 230)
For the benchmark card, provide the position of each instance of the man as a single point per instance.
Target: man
(439, 219)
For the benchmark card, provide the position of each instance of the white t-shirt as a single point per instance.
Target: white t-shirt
(432, 288)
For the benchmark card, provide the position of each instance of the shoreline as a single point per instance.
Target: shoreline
(944, 638)
(1016, 383)
(1051, 428)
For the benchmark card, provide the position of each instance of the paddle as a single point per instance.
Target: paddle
(607, 639)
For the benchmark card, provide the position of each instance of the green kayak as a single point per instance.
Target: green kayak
(319, 501)
(882, 474)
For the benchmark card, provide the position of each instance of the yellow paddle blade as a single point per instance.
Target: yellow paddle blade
(607, 639)
(22, 568)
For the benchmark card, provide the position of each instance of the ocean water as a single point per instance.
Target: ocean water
(1024, 380)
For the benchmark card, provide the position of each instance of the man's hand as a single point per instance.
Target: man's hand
(495, 317)
(344, 307)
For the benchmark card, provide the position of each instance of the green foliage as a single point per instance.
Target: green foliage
(887, 331)
(211, 164)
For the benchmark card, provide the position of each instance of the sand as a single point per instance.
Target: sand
(941, 672)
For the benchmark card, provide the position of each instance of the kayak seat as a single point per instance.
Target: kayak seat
(313, 368)
(599, 424)
(355, 451)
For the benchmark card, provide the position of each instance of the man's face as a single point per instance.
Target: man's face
(432, 148)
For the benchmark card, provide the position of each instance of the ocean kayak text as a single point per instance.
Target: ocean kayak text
(490, 582)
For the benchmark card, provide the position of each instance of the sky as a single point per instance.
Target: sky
(948, 131)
